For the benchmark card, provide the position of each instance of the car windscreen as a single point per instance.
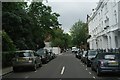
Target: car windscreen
(92, 53)
(84, 53)
(40, 52)
(23, 54)
(109, 56)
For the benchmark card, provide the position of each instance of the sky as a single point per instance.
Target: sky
(71, 11)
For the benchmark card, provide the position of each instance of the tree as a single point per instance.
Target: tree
(44, 20)
(79, 33)
(60, 38)
(28, 27)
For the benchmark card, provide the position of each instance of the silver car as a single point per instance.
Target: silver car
(26, 58)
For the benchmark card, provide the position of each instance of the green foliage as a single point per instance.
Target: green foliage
(7, 43)
(28, 26)
(25, 27)
(61, 39)
(79, 33)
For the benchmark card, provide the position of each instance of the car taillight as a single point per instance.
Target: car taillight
(30, 60)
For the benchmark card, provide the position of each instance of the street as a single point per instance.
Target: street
(64, 66)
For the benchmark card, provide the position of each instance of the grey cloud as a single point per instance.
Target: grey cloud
(71, 12)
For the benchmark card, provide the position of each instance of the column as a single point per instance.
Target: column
(113, 44)
(108, 42)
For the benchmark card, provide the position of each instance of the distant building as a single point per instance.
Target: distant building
(104, 25)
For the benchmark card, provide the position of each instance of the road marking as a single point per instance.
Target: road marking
(26, 76)
(35, 71)
(86, 68)
(63, 70)
(89, 72)
(94, 77)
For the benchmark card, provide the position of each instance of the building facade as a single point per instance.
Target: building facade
(104, 25)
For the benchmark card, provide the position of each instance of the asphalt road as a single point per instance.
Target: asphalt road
(64, 66)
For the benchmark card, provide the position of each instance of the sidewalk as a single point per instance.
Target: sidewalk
(5, 71)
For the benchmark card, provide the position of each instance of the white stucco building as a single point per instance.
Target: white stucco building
(104, 25)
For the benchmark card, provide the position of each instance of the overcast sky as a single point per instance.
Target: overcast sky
(71, 10)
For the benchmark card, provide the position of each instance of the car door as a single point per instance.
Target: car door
(95, 61)
(37, 58)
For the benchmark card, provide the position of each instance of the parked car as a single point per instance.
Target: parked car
(78, 54)
(53, 55)
(45, 56)
(106, 62)
(91, 54)
(83, 56)
(26, 58)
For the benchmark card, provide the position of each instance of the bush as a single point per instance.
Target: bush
(7, 43)
(7, 59)
(8, 48)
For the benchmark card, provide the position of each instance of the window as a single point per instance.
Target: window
(109, 57)
(116, 41)
(23, 54)
(114, 3)
(107, 22)
(92, 53)
(106, 7)
(115, 14)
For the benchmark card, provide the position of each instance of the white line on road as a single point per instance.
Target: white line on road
(63, 70)
(35, 71)
(89, 72)
(94, 77)
(86, 68)
(26, 76)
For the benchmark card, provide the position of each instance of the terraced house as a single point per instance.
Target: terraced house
(104, 25)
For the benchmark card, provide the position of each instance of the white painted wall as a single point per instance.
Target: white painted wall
(56, 50)
(108, 14)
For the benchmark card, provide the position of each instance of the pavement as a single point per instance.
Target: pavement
(66, 65)
(5, 71)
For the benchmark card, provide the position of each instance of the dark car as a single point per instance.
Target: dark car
(78, 54)
(53, 55)
(83, 56)
(26, 59)
(106, 62)
(91, 54)
(45, 56)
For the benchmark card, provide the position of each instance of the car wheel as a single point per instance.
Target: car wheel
(35, 67)
(40, 65)
(88, 65)
(98, 72)
(15, 69)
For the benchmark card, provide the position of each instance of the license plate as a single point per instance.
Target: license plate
(21, 60)
(113, 63)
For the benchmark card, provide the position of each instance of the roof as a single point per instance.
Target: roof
(25, 51)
